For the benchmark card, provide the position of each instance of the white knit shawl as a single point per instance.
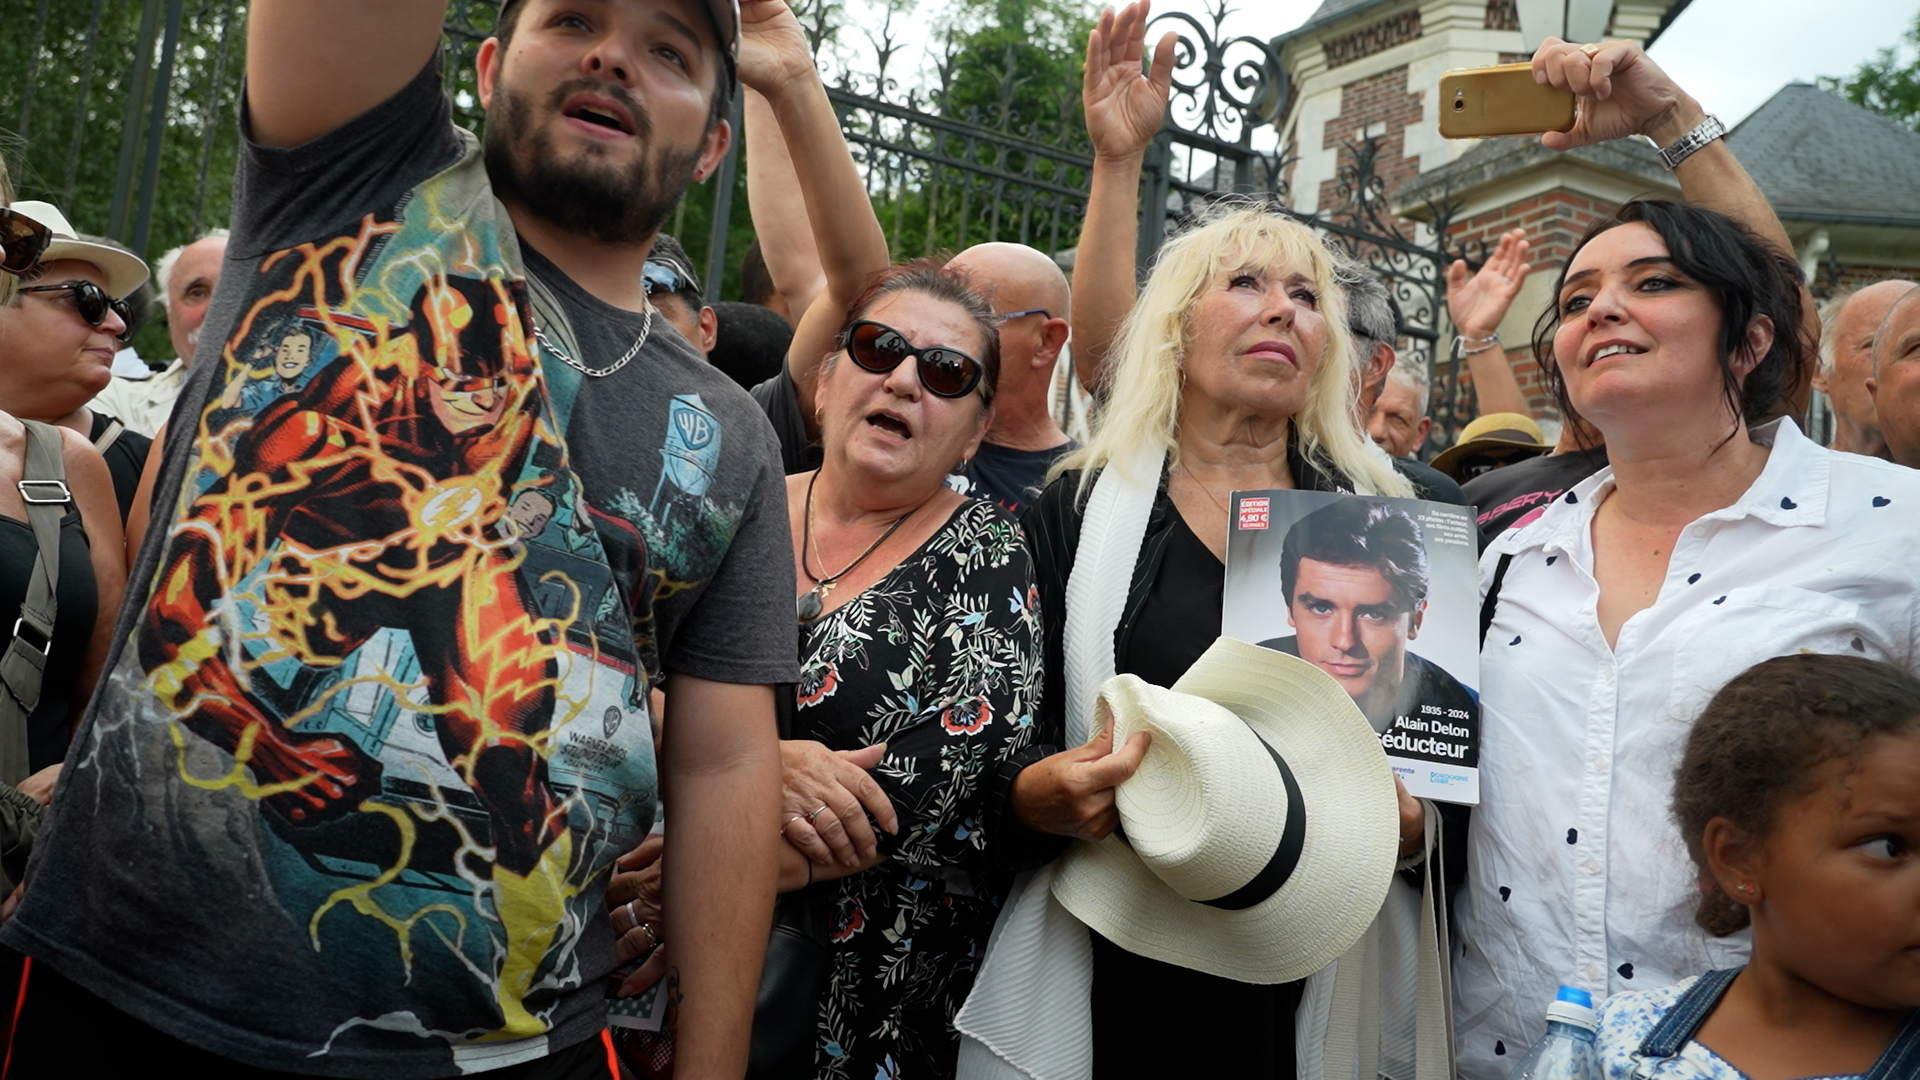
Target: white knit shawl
(1030, 1014)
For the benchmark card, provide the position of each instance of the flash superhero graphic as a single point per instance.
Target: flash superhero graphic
(370, 505)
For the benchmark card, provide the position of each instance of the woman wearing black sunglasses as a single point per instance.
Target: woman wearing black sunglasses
(59, 336)
(919, 664)
(92, 573)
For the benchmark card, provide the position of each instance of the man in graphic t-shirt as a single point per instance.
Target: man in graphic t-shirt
(377, 725)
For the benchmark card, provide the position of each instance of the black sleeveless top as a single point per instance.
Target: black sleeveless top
(48, 729)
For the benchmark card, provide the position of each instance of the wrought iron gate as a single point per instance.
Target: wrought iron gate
(126, 116)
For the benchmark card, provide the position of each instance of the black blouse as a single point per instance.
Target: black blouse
(1204, 1025)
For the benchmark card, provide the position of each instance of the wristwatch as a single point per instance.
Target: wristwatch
(1687, 145)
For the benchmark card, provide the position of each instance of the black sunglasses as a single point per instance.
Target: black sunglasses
(22, 242)
(91, 300)
(879, 348)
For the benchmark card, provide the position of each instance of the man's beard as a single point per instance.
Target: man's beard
(589, 195)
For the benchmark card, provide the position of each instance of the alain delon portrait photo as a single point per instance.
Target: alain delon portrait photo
(1382, 595)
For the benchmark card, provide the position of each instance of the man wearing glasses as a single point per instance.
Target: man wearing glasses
(364, 790)
(1031, 294)
(674, 290)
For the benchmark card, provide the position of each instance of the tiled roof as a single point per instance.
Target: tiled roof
(1819, 157)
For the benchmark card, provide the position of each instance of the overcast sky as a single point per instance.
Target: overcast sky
(1730, 54)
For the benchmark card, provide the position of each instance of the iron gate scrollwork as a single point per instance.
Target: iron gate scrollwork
(1226, 89)
(940, 175)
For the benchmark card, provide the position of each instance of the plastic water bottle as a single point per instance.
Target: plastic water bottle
(1566, 1053)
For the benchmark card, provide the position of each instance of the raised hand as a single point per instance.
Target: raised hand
(1621, 92)
(773, 48)
(1479, 302)
(1124, 108)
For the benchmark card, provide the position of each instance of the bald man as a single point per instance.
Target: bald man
(1894, 385)
(1030, 293)
(1846, 363)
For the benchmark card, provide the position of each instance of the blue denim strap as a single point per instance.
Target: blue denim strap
(1902, 1056)
(1687, 1014)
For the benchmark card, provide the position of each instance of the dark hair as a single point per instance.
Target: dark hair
(1761, 740)
(1745, 275)
(756, 282)
(750, 344)
(1356, 532)
(932, 277)
(509, 18)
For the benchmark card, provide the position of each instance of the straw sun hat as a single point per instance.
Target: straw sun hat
(1263, 823)
(124, 271)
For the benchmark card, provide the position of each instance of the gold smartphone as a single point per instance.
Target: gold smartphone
(1500, 100)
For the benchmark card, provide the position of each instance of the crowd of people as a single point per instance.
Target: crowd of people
(369, 658)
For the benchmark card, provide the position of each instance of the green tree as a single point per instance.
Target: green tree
(1012, 67)
(1889, 84)
(77, 110)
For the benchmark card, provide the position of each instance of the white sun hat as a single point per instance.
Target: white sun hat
(1261, 830)
(124, 271)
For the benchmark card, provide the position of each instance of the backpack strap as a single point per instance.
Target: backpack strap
(44, 489)
(110, 435)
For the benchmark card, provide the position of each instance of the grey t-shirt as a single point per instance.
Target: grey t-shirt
(375, 725)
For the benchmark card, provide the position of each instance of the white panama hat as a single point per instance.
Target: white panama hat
(124, 271)
(1260, 832)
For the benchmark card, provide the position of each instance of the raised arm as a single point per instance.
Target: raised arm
(779, 210)
(296, 95)
(776, 63)
(1478, 303)
(1623, 92)
(1124, 109)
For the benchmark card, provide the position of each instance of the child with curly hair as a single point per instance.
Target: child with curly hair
(1799, 797)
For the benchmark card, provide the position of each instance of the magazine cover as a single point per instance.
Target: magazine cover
(1383, 595)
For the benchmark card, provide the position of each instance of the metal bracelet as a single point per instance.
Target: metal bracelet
(1689, 144)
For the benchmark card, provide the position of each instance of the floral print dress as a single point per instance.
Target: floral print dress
(940, 660)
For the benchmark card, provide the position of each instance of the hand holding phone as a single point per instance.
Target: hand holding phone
(1504, 99)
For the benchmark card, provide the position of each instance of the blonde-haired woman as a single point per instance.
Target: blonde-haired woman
(1232, 370)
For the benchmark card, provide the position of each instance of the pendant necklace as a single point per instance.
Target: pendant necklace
(814, 600)
(1205, 488)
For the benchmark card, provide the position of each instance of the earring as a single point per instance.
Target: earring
(1746, 888)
